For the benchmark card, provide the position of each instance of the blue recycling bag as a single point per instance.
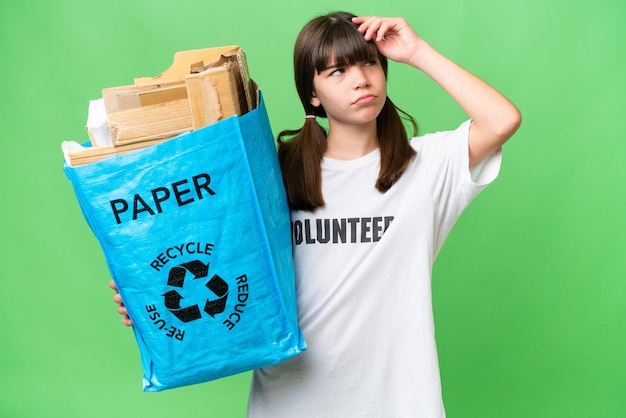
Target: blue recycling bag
(196, 235)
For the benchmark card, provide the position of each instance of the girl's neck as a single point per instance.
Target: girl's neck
(349, 142)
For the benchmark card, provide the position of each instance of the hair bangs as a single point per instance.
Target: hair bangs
(343, 45)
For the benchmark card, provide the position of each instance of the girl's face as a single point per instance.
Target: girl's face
(351, 94)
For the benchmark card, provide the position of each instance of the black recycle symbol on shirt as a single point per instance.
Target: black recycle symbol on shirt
(197, 270)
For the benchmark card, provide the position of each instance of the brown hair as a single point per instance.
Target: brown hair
(300, 151)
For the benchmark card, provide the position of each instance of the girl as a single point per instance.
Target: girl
(370, 211)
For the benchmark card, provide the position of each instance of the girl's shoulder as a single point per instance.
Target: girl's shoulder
(442, 139)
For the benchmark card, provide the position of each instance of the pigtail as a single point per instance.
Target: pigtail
(395, 150)
(300, 153)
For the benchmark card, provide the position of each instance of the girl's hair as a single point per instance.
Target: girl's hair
(300, 151)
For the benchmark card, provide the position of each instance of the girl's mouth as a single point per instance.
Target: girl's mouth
(365, 99)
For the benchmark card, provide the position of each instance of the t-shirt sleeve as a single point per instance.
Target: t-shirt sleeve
(445, 156)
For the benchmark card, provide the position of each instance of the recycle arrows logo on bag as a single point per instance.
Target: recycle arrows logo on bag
(197, 270)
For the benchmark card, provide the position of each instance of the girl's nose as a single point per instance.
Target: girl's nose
(360, 79)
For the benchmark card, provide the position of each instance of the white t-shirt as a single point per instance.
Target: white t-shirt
(363, 279)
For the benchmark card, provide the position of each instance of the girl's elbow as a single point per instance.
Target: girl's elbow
(509, 125)
(515, 121)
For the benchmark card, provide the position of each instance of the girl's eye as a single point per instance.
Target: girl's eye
(369, 63)
(337, 71)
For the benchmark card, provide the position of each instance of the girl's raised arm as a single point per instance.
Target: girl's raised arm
(494, 118)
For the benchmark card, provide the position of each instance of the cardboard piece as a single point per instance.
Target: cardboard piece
(201, 87)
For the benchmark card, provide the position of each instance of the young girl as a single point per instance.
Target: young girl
(370, 211)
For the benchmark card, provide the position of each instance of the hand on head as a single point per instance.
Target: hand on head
(393, 36)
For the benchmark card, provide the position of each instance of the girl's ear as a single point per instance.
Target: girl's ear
(314, 100)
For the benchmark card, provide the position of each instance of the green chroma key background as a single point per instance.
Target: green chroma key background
(529, 289)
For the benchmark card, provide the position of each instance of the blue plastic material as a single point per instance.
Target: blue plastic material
(195, 232)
